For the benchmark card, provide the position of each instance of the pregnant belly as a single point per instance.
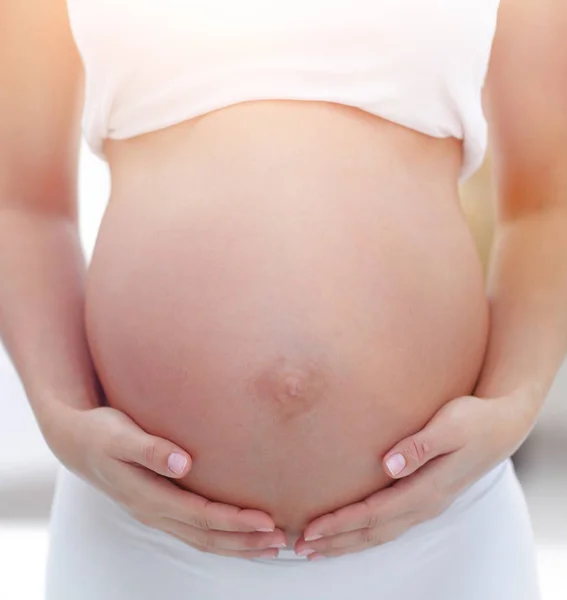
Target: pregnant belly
(285, 326)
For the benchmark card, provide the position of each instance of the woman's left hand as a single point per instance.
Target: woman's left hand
(465, 439)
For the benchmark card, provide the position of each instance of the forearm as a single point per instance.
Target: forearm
(527, 290)
(42, 276)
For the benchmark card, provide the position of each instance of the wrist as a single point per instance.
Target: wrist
(529, 400)
(529, 394)
(57, 418)
(518, 414)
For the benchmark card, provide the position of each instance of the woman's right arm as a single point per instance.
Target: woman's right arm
(41, 262)
(42, 275)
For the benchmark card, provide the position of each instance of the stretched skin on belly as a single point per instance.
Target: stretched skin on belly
(286, 332)
(286, 405)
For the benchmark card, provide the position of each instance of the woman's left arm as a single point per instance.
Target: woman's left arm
(526, 106)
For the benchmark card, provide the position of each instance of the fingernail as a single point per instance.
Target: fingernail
(313, 537)
(265, 530)
(268, 554)
(278, 545)
(317, 557)
(396, 464)
(305, 552)
(176, 463)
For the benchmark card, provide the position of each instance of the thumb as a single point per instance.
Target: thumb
(164, 458)
(133, 445)
(435, 439)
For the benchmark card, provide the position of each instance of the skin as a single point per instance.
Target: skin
(40, 242)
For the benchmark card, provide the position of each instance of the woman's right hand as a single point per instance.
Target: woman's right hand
(106, 448)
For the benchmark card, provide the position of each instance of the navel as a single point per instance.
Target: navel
(292, 386)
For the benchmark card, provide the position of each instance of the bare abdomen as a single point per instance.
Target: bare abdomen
(285, 332)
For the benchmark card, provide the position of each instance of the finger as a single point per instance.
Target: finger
(337, 553)
(217, 541)
(370, 513)
(131, 444)
(422, 496)
(440, 436)
(161, 497)
(422, 493)
(244, 554)
(353, 540)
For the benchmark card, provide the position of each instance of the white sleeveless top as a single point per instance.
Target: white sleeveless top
(150, 64)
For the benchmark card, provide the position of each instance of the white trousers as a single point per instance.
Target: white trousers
(480, 548)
